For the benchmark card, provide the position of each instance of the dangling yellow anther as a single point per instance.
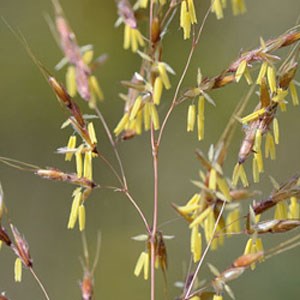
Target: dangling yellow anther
(71, 81)
(196, 244)
(253, 116)
(81, 217)
(270, 147)
(135, 108)
(240, 70)
(87, 56)
(253, 246)
(294, 209)
(185, 20)
(248, 76)
(258, 138)
(259, 245)
(243, 176)
(139, 123)
(271, 74)
(255, 171)
(223, 187)
(281, 211)
(238, 7)
(217, 8)
(209, 225)
(164, 75)
(276, 131)
(154, 116)
(200, 118)
(259, 161)
(235, 175)
(192, 11)
(71, 145)
(122, 124)
(78, 157)
(294, 94)
(248, 247)
(132, 38)
(194, 200)
(147, 116)
(76, 191)
(74, 209)
(280, 98)
(201, 217)
(87, 166)
(157, 90)
(239, 173)
(142, 263)
(187, 209)
(95, 87)
(18, 270)
(191, 118)
(187, 17)
(212, 179)
(190, 208)
(233, 221)
(92, 133)
(262, 72)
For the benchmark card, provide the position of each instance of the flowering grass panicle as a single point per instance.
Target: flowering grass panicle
(214, 212)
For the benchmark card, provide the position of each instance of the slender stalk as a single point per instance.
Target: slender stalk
(165, 17)
(138, 209)
(155, 146)
(287, 248)
(284, 246)
(152, 243)
(151, 21)
(124, 180)
(107, 162)
(155, 176)
(18, 164)
(40, 284)
(189, 289)
(155, 210)
(113, 144)
(187, 65)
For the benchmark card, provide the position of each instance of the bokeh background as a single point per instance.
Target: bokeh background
(30, 119)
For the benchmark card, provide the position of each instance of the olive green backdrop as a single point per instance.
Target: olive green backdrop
(30, 119)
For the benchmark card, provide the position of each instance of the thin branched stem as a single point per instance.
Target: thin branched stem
(155, 210)
(138, 209)
(184, 72)
(40, 284)
(190, 287)
(124, 181)
(114, 146)
(111, 167)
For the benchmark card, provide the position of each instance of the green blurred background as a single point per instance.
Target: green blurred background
(30, 131)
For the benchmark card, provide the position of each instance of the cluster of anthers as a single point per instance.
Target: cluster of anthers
(204, 210)
(79, 78)
(146, 87)
(161, 260)
(145, 90)
(275, 85)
